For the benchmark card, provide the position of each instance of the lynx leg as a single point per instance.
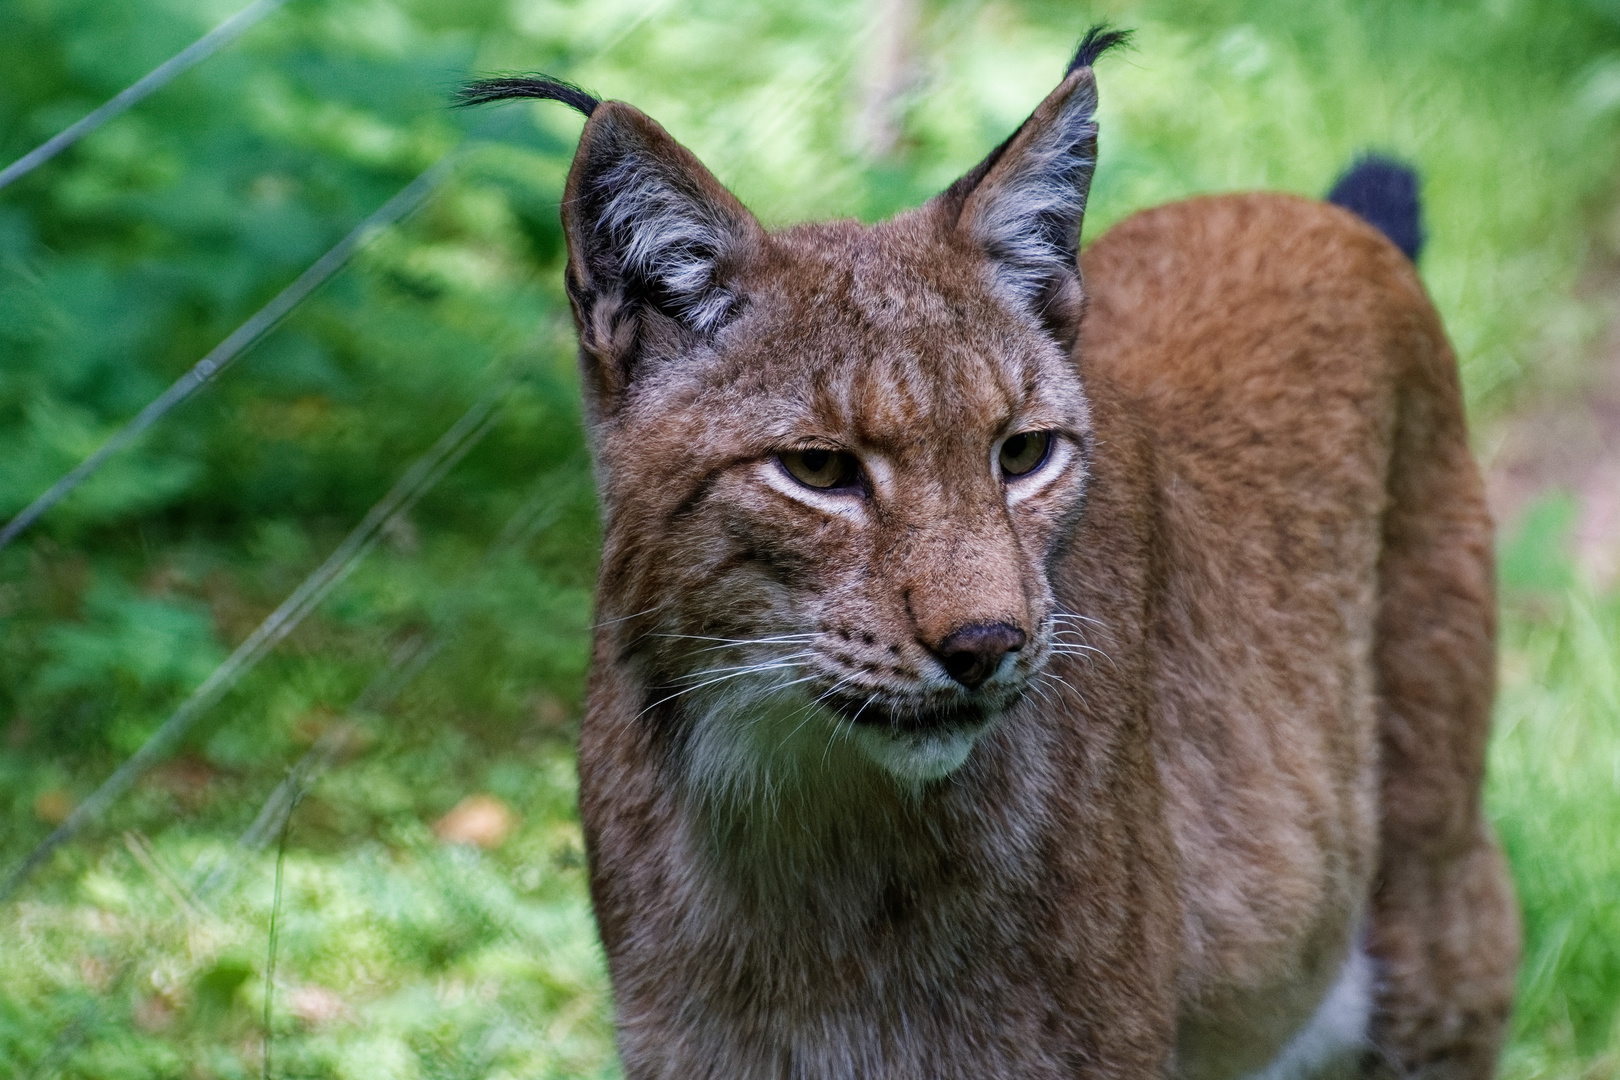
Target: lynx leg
(1444, 931)
(1446, 935)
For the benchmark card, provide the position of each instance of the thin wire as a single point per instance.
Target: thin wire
(193, 54)
(275, 927)
(213, 876)
(426, 471)
(314, 588)
(227, 351)
(266, 317)
(532, 517)
(210, 877)
(537, 513)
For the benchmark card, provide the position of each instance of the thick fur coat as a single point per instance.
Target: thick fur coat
(1009, 672)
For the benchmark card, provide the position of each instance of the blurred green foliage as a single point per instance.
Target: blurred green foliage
(130, 256)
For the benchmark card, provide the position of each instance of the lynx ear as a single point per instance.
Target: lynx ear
(1023, 205)
(653, 241)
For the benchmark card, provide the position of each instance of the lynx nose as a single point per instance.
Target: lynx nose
(973, 652)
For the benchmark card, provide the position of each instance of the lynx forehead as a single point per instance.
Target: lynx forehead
(1004, 675)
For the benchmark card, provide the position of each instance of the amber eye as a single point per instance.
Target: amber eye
(821, 469)
(1024, 452)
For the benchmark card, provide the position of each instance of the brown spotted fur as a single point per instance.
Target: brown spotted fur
(1250, 717)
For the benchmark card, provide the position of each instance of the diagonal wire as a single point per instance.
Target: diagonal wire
(160, 76)
(314, 588)
(226, 352)
(422, 475)
(538, 512)
(266, 317)
(209, 877)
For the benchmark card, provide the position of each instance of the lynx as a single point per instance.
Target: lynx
(1014, 663)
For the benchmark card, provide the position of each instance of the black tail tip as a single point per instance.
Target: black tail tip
(545, 87)
(1098, 40)
(1384, 192)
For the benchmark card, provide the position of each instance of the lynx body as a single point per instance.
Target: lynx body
(1000, 676)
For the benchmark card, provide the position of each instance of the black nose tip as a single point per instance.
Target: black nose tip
(973, 652)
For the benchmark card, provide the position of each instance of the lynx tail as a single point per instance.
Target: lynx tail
(1384, 193)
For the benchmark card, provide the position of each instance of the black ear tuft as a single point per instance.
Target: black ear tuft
(1098, 40)
(505, 87)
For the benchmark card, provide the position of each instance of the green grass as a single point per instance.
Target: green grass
(1554, 795)
(401, 955)
(398, 955)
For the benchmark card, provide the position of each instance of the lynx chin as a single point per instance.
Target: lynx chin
(1015, 662)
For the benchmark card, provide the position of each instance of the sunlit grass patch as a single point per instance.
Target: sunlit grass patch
(400, 954)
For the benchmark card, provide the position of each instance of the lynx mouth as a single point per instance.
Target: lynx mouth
(920, 742)
(927, 718)
(931, 714)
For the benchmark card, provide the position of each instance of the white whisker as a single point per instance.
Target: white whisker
(725, 642)
(623, 618)
(743, 669)
(1060, 615)
(712, 682)
(1050, 674)
(869, 699)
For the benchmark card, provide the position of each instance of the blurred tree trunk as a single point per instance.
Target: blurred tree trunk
(890, 73)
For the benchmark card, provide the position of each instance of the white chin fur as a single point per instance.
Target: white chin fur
(917, 758)
(770, 746)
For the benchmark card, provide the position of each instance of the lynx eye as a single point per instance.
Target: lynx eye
(1024, 452)
(823, 470)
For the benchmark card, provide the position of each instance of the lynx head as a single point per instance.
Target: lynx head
(836, 462)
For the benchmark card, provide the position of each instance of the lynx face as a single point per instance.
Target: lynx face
(837, 461)
(861, 484)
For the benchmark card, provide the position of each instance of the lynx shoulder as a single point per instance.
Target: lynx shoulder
(1014, 663)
